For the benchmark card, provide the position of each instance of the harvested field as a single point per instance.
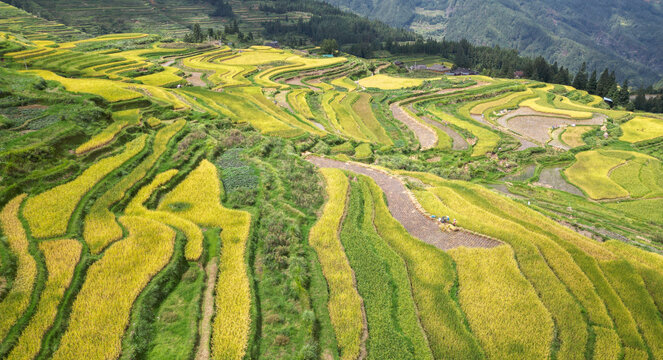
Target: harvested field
(535, 125)
(552, 178)
(404, 209)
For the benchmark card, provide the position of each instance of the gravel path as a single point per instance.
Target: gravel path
(524, 143)
(459, 142)
(404, 209)
(427, 137)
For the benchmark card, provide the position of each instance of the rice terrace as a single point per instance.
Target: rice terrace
(172, 191)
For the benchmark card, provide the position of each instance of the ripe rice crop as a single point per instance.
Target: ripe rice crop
(487, 140)
(433, 278)
(258, 57)
(345, 304)
(16, 301)
(100, 228)
(631, 288)
(641, 128)
(550, 239)
(635, 354)
(573, 243)
(502, 307)
(201, 193)
(194, 236)
(121, 119)
(539, 105)
(344, 83)
(641, 176)
(386, 82)
(109, 90)
(48, 213)
(299, 63)
(483, 106)
(403, 312)
(297, 99)
(590, 173)
(572, 136)
(163, 78)
(567, 314)
(359, 239)
(364, 111)
(61, 257)
(363, 151)
(101, 310)
(608, 344)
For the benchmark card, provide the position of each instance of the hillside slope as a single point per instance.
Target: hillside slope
(621, 35)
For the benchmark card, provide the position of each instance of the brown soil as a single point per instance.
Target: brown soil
(459, 142)
(533, 125)
(426, 136)
(551, 178)
(407, 211)
(205, 329)
(282, 100)
(196, 79)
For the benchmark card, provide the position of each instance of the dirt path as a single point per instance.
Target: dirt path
(382, 67)
(298, 82)
(205, 329)
(407, 211)
(282, 99)
(426, 136)
(168, 63)
(524, 143)
(196, 79)
(459, 142)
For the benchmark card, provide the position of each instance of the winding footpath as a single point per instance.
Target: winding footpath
(426, 136)
(407, 211)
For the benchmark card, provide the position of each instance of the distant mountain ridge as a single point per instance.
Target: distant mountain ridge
(624, 35)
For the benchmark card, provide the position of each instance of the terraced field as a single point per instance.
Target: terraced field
(281, 204)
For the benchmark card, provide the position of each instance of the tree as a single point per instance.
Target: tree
(580, 81)
(604, 84)
(591, 84)
(329, 46)
(624, 95)
(640, 101)
(197, 33)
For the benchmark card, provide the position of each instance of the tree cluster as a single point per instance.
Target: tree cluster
(222, 8)
(197, 35)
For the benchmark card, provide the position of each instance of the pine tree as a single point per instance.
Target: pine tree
(591, 84)
(604, 84)
(624, 94)
(197, 33)
(580, 81)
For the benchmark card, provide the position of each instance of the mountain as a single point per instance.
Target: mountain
(623, 35)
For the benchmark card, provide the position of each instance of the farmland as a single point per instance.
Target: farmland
(162, 199)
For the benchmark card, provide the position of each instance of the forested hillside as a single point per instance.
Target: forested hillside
(625, 35)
